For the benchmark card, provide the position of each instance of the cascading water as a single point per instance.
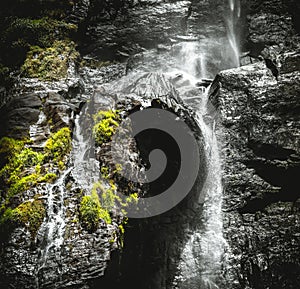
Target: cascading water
(83, 170)
(53, 228)
(232, 21)
(193, 60)
(190, 61)
(85, 165)
(200, 261)
(201, 256)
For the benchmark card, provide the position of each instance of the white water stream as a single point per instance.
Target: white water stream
(200, 261)
(232, 21)
(84, 171)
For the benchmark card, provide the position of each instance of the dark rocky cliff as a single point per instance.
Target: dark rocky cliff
(258, 131)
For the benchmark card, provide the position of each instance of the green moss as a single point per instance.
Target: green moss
(50, 63)
(42, 32)
(30, 214)
(132, 199)
(104, 172)
(48, 178)
(7, 217)
(91, 212)
(100, 203)
(22, 33)
(59, 145)
(24, 166)
(106, 123)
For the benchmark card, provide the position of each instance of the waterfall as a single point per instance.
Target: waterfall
(85, 166)
(53, 228)
(83, 169)
(201, 256)
(232, 21)
(192, 59)
(200, 262)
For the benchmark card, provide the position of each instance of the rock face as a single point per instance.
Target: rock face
(259, 132)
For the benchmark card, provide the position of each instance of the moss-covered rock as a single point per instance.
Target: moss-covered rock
(106, 123)
(23, 33)
(30, 214)
(91, 212)
(25, 168)
(50, 63)
(59, 145)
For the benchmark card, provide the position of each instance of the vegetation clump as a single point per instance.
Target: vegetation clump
(106, 124)
(50, 63)
(91, 212)
(22, 33)
(101, 203)
(25, 168)
(30, 214)
(59, 145)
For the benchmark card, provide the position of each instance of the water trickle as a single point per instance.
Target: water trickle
(83, 169)
(192, 60)
(232, 21)
(53, 228)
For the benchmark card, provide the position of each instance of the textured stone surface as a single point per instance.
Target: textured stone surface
(259, 133)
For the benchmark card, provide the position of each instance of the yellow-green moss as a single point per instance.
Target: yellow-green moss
(107, 197)
(50, 63)
(24, 167)
(43, 31)
(106, 123)
(59, 145)
(22, 33)
(101, 202)
(94, 63)
(104, 172)
(91, 212)
(30, 214)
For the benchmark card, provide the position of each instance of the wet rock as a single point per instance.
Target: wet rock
(260, 141)
(18, 114)
(142, 25)
(59, 111)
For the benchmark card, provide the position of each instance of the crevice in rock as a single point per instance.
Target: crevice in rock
(270, 151)
(287, 179)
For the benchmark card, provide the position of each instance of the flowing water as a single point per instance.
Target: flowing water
(232, 21)
(185, 66)
(200, 261)
(53, 228)
(83, 168)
